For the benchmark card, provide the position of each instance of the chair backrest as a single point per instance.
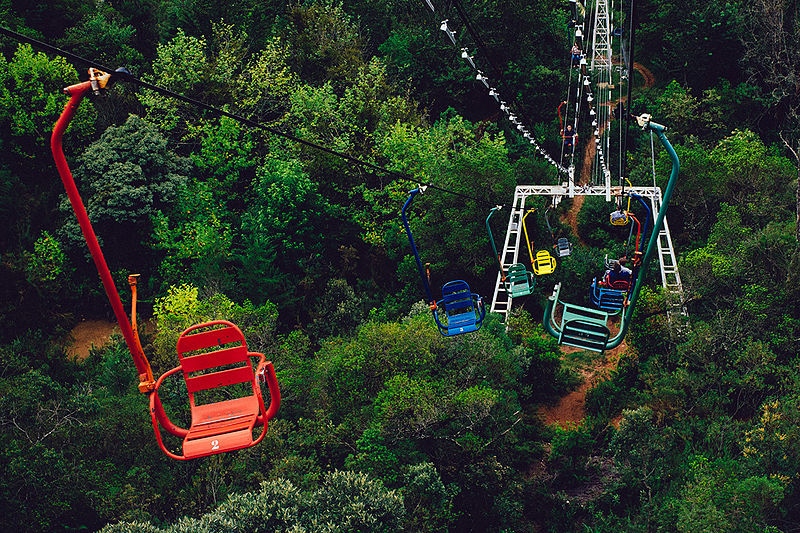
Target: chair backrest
(459, 305)
(563, 246)
(544, 263)
(620, 284)
(212, 355)
(608, 299)
(456, 298)
(519, 280)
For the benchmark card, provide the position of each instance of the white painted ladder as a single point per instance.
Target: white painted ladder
(670, 277)
(501, 303)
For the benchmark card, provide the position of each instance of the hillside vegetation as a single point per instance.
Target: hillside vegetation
(385, 424)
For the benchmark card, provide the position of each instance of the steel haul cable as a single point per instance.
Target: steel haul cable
(124, 75)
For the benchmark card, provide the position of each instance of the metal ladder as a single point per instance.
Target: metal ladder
(670, 277)
(501, 303)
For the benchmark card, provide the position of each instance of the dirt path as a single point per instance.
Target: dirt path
(649, 79)
(88, 334)
(571, 409)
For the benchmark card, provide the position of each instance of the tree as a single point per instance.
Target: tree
(450, 156)
(343, 502)
(690, 42)
(127, 177)
(31, 100)
(796, 155)
(644, 451)
(769, 27)
(102, 35)
(284, 228)
(719, 497)
(196, 238)
(206, 70)
(325, 42)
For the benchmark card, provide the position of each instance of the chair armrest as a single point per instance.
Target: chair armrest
(157, 409)
(266, 372)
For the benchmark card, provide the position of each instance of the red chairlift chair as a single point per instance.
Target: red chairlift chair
(213, 356)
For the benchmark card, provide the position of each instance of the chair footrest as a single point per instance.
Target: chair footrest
(225, 442)
(585, 335)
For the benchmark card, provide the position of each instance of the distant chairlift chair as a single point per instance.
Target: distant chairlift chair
(562, 244)
(563, 247)
(544, 263)
(463, 310)
(519, 281)
(611, 299)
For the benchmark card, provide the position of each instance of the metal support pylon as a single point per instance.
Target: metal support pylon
(670, 276)
(501, 303)
(601, 38)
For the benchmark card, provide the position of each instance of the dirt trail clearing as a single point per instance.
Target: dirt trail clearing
(571, 409)
(88, 334)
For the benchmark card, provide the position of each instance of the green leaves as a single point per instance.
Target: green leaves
(31, 97)
(719, 497)
(344, 502)
(183, 306)
(129, 173)
(47, 264)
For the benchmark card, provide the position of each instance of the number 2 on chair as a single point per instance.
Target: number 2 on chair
(215, 444)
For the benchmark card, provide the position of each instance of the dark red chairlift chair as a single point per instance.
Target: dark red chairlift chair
(212, 355)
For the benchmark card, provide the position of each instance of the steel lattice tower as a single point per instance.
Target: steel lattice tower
(601, 38)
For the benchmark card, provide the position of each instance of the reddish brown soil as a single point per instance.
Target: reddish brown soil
(88, 334)
(571, 409)
(649, 79)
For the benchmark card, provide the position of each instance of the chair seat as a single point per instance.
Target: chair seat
(520, 281)
(544, 264)
(463, 309)
(227, 442)
(461, 320)
(221, 426)
(214, 356)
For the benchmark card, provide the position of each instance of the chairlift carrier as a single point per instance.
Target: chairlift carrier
(203, 349)
(464, 310)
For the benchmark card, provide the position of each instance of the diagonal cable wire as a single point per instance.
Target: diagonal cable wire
(493, 91)
(124, 75)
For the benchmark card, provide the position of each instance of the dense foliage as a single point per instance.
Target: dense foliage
(385, 424)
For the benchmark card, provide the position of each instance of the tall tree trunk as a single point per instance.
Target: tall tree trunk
(796, 155)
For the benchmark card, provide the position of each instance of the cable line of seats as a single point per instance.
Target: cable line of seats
(459, 310)
(213, 356)
(587, 328)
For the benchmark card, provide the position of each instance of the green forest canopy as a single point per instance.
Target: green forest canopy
(386, 425)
